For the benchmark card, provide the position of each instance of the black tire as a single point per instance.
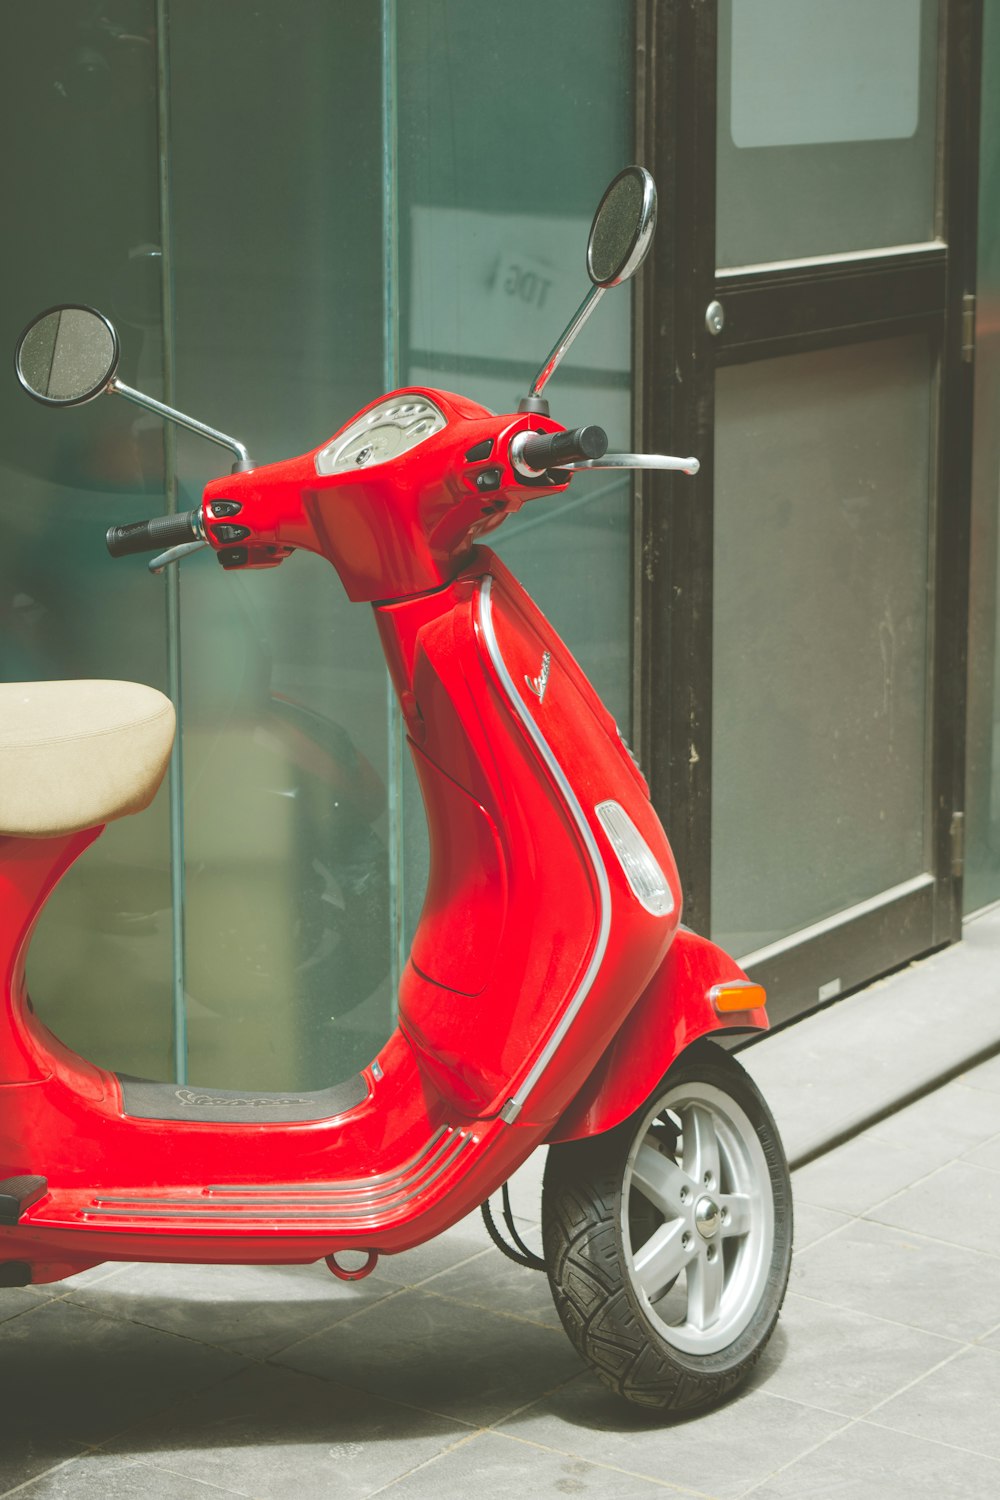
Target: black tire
(668, 1268)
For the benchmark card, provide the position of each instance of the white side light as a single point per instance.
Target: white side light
(646, 879)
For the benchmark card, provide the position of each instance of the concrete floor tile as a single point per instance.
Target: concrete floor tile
(865, 1171)
(102, 1272)
(441, 1356)
(526, 1186)
(251, 1310)
(272, 1433)
(949, 1120)
(15, 1300)
(959, 1203)
(985, 1076)
(842, 1361)
(839, 1067)
(906, 1277)
(70, 1374)
(23, 1456)
(463, 1241)
(493, 1465)
(721, 1453)
(96, 1477)
(987, 1155)
(957, 1404)
(812, 1223)
(501, 1285)
(864, 1462)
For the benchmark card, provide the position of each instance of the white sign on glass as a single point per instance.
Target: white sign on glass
(503, 286)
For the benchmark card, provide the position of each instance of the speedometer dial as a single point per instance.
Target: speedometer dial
(389, 429)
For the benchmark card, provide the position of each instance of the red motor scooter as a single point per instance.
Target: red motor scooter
(551, 995)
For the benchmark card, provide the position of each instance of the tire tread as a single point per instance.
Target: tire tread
(582, 1247)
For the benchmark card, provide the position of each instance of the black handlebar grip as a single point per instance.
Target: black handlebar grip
(154, 535)
(550, 450)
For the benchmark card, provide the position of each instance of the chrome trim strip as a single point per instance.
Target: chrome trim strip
(920, 251)
(514, 1105)
(256, 1212)
(348, 1184)
(214, 1216)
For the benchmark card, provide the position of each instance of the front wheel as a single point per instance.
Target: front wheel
(669, 1239)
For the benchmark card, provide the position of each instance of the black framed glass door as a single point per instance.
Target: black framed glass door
(806, 596)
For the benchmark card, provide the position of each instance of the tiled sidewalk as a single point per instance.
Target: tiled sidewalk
(446, 1374)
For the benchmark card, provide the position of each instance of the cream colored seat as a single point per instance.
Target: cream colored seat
(75, 754)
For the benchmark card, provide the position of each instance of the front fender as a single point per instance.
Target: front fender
(674, 1010)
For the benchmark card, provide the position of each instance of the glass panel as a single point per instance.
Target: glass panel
(493, 235)
(820, 107)
(982, 873)
(81, 204)
(276, 259)
(277, 231)
(820, 635)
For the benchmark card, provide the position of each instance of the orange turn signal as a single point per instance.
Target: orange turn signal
(737, 994)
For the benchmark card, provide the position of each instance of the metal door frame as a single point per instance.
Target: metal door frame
(773, 311)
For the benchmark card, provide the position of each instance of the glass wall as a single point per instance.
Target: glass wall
(500, 167)
(80, 189)
(285, 208)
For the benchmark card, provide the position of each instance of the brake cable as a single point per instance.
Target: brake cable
(522, 1256)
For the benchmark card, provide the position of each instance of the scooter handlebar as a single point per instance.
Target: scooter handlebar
(534, 452)
(156, 534)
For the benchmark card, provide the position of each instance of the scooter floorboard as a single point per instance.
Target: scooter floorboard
(144, 1099)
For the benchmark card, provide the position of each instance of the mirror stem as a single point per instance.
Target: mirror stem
(568, 336)
(243, 460)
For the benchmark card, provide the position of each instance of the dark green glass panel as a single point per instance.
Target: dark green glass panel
(81, 217)
(512, 120)
(276, 218)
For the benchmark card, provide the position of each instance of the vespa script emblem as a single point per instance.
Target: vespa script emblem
(540, 683)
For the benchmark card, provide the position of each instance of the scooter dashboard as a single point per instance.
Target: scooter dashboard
(391, 428)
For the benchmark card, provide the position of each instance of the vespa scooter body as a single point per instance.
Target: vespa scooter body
(534, 945)
(550, 994)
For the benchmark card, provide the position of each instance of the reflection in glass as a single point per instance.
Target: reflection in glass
(820, 635)
(278, 335)
(81, 187)
(491, 242)
(277, 329)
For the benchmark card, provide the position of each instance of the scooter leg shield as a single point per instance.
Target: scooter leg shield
(680, 1004)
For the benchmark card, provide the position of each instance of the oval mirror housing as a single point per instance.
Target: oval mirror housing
(623, 228)
(67, 355)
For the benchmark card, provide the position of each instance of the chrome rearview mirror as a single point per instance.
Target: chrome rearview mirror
(623, 227)
(620, 236)
(67, 355)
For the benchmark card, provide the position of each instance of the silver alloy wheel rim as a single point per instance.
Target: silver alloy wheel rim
(702, 1272)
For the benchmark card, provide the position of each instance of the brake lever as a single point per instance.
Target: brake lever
(174, 555)
(637, 461)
